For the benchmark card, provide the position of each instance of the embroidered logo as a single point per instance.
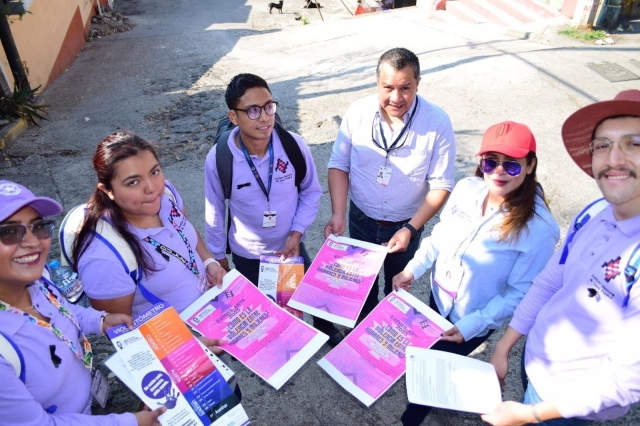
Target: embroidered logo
(282, 166)
(611, 269)
(9, 189)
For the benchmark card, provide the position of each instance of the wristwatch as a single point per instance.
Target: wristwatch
(410, 227)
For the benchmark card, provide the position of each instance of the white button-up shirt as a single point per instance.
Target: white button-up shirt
(425, 160)
(491, 276)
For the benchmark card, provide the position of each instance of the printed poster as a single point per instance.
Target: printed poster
(339, 280)
(373, 356)
(279, 279)
(170, 368)
(267, 339)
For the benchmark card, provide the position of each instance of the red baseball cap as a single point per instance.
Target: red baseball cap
(577, 130)
(512, 139)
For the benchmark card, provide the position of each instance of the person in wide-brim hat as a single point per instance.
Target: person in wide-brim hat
(577, 131)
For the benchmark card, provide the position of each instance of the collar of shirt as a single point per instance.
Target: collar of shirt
(165, 207)
(238, 156)
(11, 322)
(386, 128)
(628, 227)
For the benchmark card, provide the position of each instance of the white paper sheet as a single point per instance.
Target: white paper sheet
(456, 382)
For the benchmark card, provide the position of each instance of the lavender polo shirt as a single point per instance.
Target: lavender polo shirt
(104, 277)
(295, 211)
(582, 351)
(67, 388)
(425, 161)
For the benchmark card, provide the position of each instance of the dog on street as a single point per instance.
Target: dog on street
(276, 6)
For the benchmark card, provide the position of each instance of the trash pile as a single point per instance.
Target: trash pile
(108, 21)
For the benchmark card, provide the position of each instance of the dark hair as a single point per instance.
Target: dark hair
(398, 58)
(239, 85)
(115, 148)
(520, 203)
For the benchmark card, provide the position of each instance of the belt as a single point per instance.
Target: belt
(389, 223)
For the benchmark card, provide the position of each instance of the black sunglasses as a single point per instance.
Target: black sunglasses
(14, 233)
(511, 167)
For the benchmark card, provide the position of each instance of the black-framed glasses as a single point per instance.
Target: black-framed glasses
(255, 112)
(14, 233)
(511, 167)
(628, 144)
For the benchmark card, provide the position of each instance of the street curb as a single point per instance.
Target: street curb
(11, 131)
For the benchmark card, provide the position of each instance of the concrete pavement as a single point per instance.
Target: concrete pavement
(165, 80)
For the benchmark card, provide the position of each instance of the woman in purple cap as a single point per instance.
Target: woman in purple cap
(45, 357)
(495, 234)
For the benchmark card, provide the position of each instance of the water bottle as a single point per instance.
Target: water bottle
(67, 282)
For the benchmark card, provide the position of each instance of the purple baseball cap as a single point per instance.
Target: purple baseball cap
(14, 196)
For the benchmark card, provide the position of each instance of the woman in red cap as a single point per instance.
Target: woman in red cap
(495, 234)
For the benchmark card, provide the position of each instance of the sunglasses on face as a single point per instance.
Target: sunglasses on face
(14, 233)
(511, 167)
(255, 112)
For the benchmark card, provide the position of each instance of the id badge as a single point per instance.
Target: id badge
(269, 219)
(100, 388)
(384, 175)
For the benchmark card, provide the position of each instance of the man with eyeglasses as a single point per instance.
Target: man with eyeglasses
(268, 213)
(582, 313)
(394, 156)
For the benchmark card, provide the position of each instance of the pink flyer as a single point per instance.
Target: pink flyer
(372, 357)
(268, 340)
(337, 284)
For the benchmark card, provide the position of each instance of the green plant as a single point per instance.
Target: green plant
(22, 104)
(583, 34)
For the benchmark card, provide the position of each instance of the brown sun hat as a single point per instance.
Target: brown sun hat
(577, 130)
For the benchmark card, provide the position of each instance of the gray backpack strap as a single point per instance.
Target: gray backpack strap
(224, 158)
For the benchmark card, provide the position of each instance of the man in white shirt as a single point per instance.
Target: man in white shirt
(394, 156)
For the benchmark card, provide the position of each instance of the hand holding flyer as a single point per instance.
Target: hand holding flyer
(268, 340)
(446, 380)
(373, 356)
(168, 367)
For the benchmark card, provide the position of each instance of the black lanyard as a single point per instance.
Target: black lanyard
(253, 168)
(393, 146)
(165, 251)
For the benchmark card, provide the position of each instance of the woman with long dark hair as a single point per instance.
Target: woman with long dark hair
(133, 196)
(495, 235)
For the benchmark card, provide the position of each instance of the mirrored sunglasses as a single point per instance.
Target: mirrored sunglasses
(14, 233)
(511, 167)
